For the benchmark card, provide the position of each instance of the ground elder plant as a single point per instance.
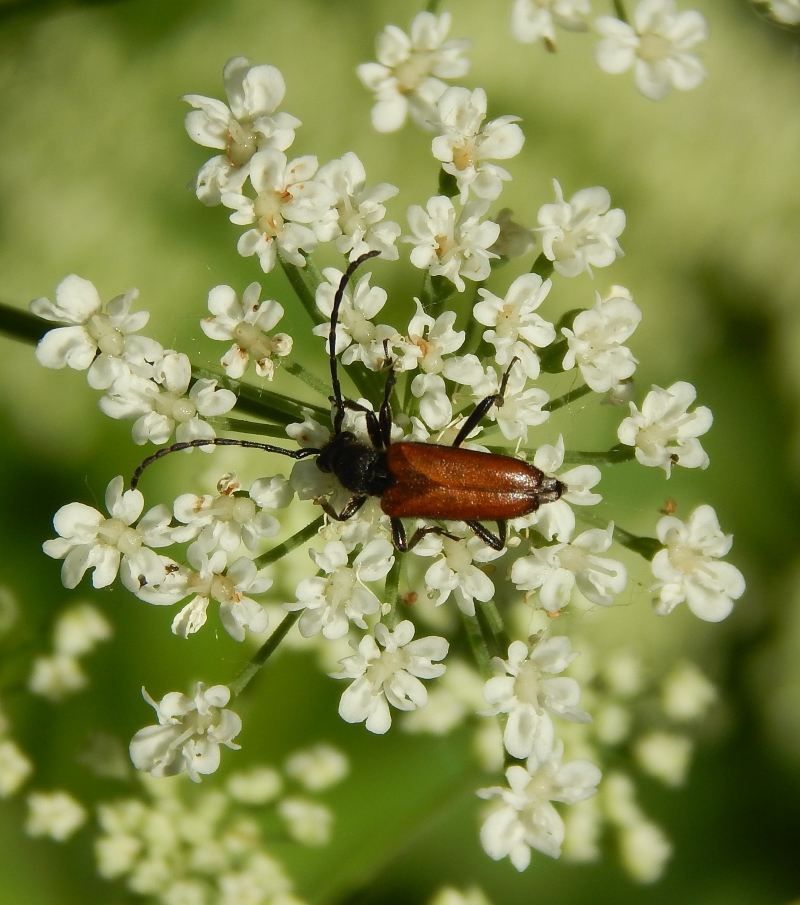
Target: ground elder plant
(562, 731)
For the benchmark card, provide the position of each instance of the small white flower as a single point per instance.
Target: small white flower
(330, 604)
(534, 20)
(246, 323)
(317, 768)
(656, 45)
(644, 850)
(557, 519)
(457, 695)
(307, 822)
(79, 629)
(580, 233)
(664, 755)
(665, 432)
(248, 125)
(517, 330)
(54, 814)
(595, 340)
(229, 518)
(15, 768)
(455, 572)
(555, 570)
(449, 895)
(101, 341)
(255, 786)
(463, 146)
(686, 694)
(450, 247)
(526, 819)
(57, 677)
(188, 735)
(356, 219)
(88, 540)
(522, 408)
(407, 78)
(287, 206)
(389, 676)
(529, 697)
(357, 337)
(687, 568)
(784, 11)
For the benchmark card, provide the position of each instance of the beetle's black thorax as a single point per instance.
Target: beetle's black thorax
(360, 468)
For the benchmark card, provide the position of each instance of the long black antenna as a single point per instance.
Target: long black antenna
(219, 441)
(338, 417)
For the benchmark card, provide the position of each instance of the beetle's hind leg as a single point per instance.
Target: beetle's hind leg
(482, 408)
(403, 545)
(495, 541)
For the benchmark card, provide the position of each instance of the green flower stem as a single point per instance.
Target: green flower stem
(16, 323)
(619, 10)
(292, 543)
(432, 6)
(237, 425)
(543, 266)
(304, 281)
(253, 400)
(309, 379)
(618, 453)
(571, 396)
(494, 621)
(238, 685)
(391, 596)
(480, 650)
(644, 546)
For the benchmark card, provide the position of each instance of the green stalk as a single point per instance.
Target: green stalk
(292, 543)
(571, 396)
(619, 10)
(543, 266)
(391, 595)
(618, 453)
(304, 281)
(238, 685)
(480, 649)
(19, 324)
(644, 546)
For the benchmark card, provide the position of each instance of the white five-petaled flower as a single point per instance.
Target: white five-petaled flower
(656, 45)
(580, 233)
(557, 519)
(167, 403)
(595, 340)
(288, 206)
(248, 125)
(230, 518)
(687, 567)
(522, 407)
(517, 330)
(211, 578)
(463, 146)
(556, 569)
(389, 676)
(450, 246)
(89, 540)
(357, 337)
(407, 77)
(665, 432)
(455, 572)
(102, 341)
(54, 814)
(522, 690)
(246, 323)
(534, 20)
(526, 819)
(330, 604)
(188, 735)
(356, 219)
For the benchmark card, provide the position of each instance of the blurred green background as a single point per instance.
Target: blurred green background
(94, 162)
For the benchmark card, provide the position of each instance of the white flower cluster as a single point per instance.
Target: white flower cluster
(77, 632)
(656, 43)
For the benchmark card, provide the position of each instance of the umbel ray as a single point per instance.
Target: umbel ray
(412, 480)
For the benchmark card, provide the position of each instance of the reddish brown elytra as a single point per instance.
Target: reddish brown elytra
(412, 480)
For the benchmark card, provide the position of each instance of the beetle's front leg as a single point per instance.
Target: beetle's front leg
(351, 508)
(495, 541)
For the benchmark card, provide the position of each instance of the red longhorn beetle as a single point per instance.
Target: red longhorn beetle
(412, 480)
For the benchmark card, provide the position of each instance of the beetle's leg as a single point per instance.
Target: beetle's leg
(351, 508)
(495, 541)
(403, 545)
(373, 424)
(385, 411)
(481, 409)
